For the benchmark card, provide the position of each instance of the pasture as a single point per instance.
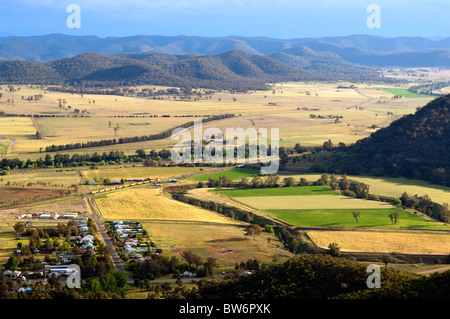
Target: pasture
(369, 218)
(287, 106)
(139, 172)
(279, 191)
(389, 186)
(210, 240)
(151, 204)
(233, 174)
(310, 202)
(8, 242)
(384, 242)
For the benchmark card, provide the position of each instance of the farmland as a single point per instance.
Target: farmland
(138, 172)
(150, 204)
(286, 191)
(310, 202)
(368, 218)
(288, 107)
(401, 242)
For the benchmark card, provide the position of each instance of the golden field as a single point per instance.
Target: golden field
(384, 242)
(150, 204)
(210, 240)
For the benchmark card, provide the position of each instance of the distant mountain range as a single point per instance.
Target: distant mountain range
(222, 63)
(359, 49)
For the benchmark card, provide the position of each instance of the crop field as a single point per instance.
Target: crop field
(405, 93)
(8, 241)
(233, 174)
(287, 106)
(280, 191)
(139, 172)
(384, 242)
(208, 240)
(150, 204)
(369, 218)
(389, 186)
(310, 202)
(52, 178)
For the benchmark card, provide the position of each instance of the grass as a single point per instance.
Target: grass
(279, 191)
(405, 93)
(210, 240)
(148, 203)
(384, 242)
(233, 174)
(310, 202)
(370, 218)
(390, 186)
(8, 241)
(139, 172)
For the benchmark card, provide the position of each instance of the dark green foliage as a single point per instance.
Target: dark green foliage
(414, 146)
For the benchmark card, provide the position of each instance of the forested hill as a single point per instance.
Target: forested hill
(414, 146)
(235, 70)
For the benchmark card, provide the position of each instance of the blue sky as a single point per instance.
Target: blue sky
(270, 18)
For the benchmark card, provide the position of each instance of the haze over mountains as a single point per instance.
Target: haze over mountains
(238, 63)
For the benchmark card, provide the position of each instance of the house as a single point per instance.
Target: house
(116, 181)
(186, 274)
(44, 216)
(91, 183)
(54, 216)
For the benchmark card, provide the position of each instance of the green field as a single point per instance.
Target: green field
(376, 218)
(405, 93)
(232, 174)
(279, 191)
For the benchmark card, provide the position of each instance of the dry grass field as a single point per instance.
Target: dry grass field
(310, 202)
(139, 172)
(370, 241)
(286, 106)
(389, 186)
(150, 204)
(209, 240)
(8, 241)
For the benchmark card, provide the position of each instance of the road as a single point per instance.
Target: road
(108, 242)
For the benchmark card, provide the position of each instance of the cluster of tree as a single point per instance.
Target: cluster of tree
(157, 265)
(229, 211)
(425, 205)
(322, 276)
(429, 88)
(124, 140)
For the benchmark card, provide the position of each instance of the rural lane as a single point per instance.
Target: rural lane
(108, 242)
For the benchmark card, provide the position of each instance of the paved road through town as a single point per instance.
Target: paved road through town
(106, 239)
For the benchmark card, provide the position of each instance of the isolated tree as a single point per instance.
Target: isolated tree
(356, 215)
(386, 259)
(19, 228)
(116, 129)
(253, 230)
(334, 250)
(12, 263)
(109, 123)
(393, 217)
